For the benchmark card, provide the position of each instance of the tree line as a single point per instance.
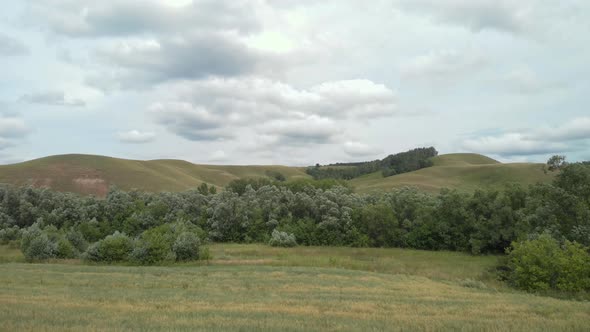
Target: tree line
(399, 163)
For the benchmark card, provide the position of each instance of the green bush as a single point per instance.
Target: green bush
(40, 248)
(544, 264)
(65, 249)
(186, 246)
(77, 240)
(282, 239)
(113, 248)
(8, 235)
(154, 245)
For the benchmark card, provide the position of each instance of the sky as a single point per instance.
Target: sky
(294, 82)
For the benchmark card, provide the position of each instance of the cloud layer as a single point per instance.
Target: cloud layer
(265, 81)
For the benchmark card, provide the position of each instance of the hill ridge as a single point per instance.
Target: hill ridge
(94, 174)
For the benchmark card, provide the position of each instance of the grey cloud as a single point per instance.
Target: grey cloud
(191, 122)
(5, 144)
(10, 46)
(136, 137)
(112, 18)
(309, 129)
(476, 15)
(145, 62)
(564, 138)
(55, 98)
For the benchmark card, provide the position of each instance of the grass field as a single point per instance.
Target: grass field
(255, 287)
(87, 174)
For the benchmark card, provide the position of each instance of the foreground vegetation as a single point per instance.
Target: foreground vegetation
(255, 287)
(145, 228)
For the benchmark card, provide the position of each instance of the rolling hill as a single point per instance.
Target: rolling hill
(462, 171)
(89, 174)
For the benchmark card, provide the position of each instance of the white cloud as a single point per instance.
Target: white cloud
(217, 108)
(12, 127)
(358, 149)
(218, 156)
(136, 137)
(12, 130)
(524, 80)
(576, 129)
(512, 144)
(442, 65)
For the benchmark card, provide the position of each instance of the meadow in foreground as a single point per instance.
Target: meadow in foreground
(255, 287)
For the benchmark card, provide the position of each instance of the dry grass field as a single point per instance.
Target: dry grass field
(255, 287)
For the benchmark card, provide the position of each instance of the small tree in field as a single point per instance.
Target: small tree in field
(556, 163)
(282, 239)
(186, 246)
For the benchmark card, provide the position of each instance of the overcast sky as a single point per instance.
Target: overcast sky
(294, 82)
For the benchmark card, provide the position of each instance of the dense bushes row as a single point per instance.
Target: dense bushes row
(169, 242)
(482, 222)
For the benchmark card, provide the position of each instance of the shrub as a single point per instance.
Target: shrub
(9, 234)
(282, 239)
(186, 247)
(154, 245)
(543, 264)
(40, 247)
(65, 249)
(113, 248)
(93, 253)
(77, 240)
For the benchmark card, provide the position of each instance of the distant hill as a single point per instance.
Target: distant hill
(462, 171)
(89, 174)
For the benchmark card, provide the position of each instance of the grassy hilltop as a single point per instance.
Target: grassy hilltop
(89, 174)
(463, 171)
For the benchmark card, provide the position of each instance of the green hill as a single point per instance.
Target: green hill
(88, 174)
(462, 171)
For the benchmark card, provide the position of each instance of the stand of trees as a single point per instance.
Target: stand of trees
(393, 164)
(151, 227)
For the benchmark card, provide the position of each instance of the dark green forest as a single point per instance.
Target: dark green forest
(399, 163)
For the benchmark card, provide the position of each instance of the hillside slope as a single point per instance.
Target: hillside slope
(463, 171)
(89, 174)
